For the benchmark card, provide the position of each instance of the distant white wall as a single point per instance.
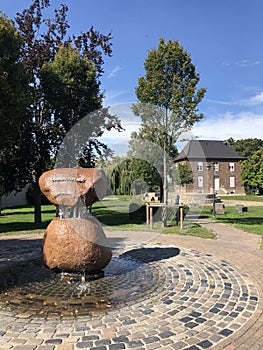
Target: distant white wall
(14, 199)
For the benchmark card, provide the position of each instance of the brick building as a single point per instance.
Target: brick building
(215, 166)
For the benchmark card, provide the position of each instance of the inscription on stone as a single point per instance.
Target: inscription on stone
(68, 179)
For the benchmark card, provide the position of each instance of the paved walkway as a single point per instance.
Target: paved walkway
(182, 293)
(241, 249)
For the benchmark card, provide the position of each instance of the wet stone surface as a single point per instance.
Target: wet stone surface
(31, 288)
(150, 297)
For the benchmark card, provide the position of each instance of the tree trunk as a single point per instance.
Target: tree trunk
(165, 184)
(37, 205)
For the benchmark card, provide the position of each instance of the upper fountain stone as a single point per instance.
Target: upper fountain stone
(65, 186)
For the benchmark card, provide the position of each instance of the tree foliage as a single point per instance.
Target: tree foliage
(13, 82)
(133, 176)
(183, 174)
(50, 56)
(70, 87)
(171, 83)
(252, 171)
(168, 97)
(246, 147)
(13, 109)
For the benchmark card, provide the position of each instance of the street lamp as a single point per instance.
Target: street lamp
(208, 166)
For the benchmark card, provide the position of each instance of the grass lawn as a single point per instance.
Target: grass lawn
(113, 214)
(21, 220)
(250, 221)
(189, 229)
(249, 198)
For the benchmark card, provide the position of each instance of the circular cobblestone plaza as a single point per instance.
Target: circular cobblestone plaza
(154, 295)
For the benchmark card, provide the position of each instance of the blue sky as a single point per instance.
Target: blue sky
(223, 38)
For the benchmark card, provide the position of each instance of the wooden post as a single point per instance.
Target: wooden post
(147, 213)
(151, 217)
(164, 216)
(181, 216)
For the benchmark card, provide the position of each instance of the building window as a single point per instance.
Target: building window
(232, 181)
(216, 168)
(231, 167)
(200, 181)
(200, 166)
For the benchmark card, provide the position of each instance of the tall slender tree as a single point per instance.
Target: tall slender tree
(168, 97)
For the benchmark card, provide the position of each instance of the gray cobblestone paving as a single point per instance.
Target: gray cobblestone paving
(195, 300)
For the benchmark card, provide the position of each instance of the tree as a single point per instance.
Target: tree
(13, 109)
(252, 171)
(246, 147)
(130, 175)
(72, 90)
(42, 53)
(70, 87)
(183, 175)
(168, 97)
(143, 145)
(13, 82)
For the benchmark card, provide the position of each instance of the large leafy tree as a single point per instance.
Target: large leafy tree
(246, 147)
(73, 92)
(252, 170)
(13, 108)
(70, 87)
(13, 82)
(133, 176)
(168, 97)
(43, 54)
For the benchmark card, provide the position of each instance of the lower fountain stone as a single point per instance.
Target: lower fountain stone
(76, 244)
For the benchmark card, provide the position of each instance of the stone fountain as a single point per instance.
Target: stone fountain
(75, 241)
(81, 274)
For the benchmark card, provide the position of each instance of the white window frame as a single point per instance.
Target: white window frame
(216, 167)
(200, 166)
(232, 182)
(231, 167)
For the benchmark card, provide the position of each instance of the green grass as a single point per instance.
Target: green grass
(190, 229)
(21, 220)
(250, 197)
(250, 221)
(113, 214)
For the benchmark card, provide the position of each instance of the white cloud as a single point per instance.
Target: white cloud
(221, 127)
(239, 126)
(251, 101)
(221, 102)
(114, 71)
(244, 63)
(247, 63)
(257, 99)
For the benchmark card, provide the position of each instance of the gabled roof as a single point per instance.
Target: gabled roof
(208, 150)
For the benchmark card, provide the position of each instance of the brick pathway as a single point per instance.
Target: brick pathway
(241, 249)
(184, 293)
